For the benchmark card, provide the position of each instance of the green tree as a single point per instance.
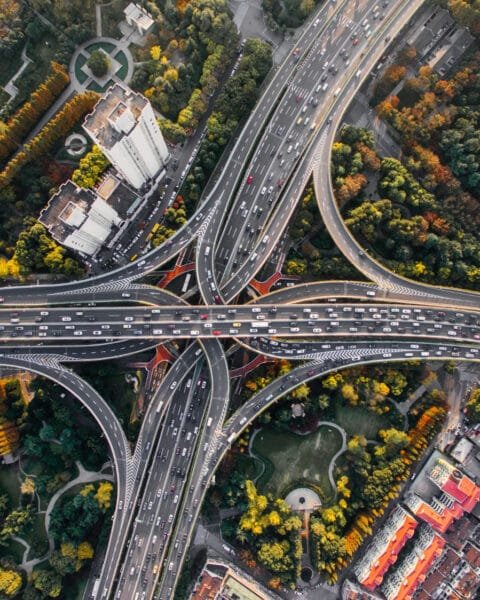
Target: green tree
(99, 63)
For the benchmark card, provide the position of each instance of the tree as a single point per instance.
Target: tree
(473, 406)
(104, 495)
(48, 582)
(90, 168)
(10, 582)
(99, 63)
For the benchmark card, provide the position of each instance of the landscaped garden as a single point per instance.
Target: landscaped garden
(55, 499)
(292, 445)
(289, 458)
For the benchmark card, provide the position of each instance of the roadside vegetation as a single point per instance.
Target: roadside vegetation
(382, 445)
(420, 214)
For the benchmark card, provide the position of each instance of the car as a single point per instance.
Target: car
(216, 332)
(249, 179)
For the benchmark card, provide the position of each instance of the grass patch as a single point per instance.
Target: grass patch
(8, 68)
(10, 483)
(358, 420)
(79, 63)
(36, 536)
(94, 87)
(107, 46)
(289, 457)
(122, 59)
(12, 549)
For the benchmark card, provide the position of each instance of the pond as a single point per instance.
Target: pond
(291, 458)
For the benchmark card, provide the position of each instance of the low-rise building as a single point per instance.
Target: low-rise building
(401, 582)
(136, 16)
(384, 548)
(220, 580)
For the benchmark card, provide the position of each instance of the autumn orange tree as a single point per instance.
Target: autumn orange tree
(39, 102)
(56, 128)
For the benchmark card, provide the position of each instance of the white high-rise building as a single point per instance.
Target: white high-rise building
(124, 126)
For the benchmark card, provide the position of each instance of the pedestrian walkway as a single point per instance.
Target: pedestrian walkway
(10, 87)
(83, 476)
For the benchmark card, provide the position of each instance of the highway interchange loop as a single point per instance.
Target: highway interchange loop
(236, 226)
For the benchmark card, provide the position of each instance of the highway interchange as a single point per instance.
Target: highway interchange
(161, 482)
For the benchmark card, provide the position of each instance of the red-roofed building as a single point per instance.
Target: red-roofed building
(384, 548)
(472, 555)
(414, 567)
(449, 562)
(455, 483)
(465, 583)
(440, 513)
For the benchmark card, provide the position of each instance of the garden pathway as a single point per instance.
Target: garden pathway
(83, 476)
(10, 87)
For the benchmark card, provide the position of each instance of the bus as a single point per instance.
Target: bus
(96, 585)
(186, 283)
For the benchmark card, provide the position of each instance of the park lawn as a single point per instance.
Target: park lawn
(13, 549)
(36, 532)
(8, 68)
(10, 483)
(289, 458)
(358, 420)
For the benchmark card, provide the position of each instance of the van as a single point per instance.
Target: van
(264, 189)
(253, 257)
(318, 88)
(205, 447)
(304, 109)
(289, 149)
(184, 452)
(299, 120)
(325, 87)
(207, 250)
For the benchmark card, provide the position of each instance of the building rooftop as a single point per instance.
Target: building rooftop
(440, 513)
(138, 15)
(66, 210)
(222, 581)
(384, 548)
(455, 483)
(114, 115)
(117, 195)
(414, 566)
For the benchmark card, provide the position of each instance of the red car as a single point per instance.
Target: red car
(217, 332)
(355, 42)
(204, 317)
(249, 179)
